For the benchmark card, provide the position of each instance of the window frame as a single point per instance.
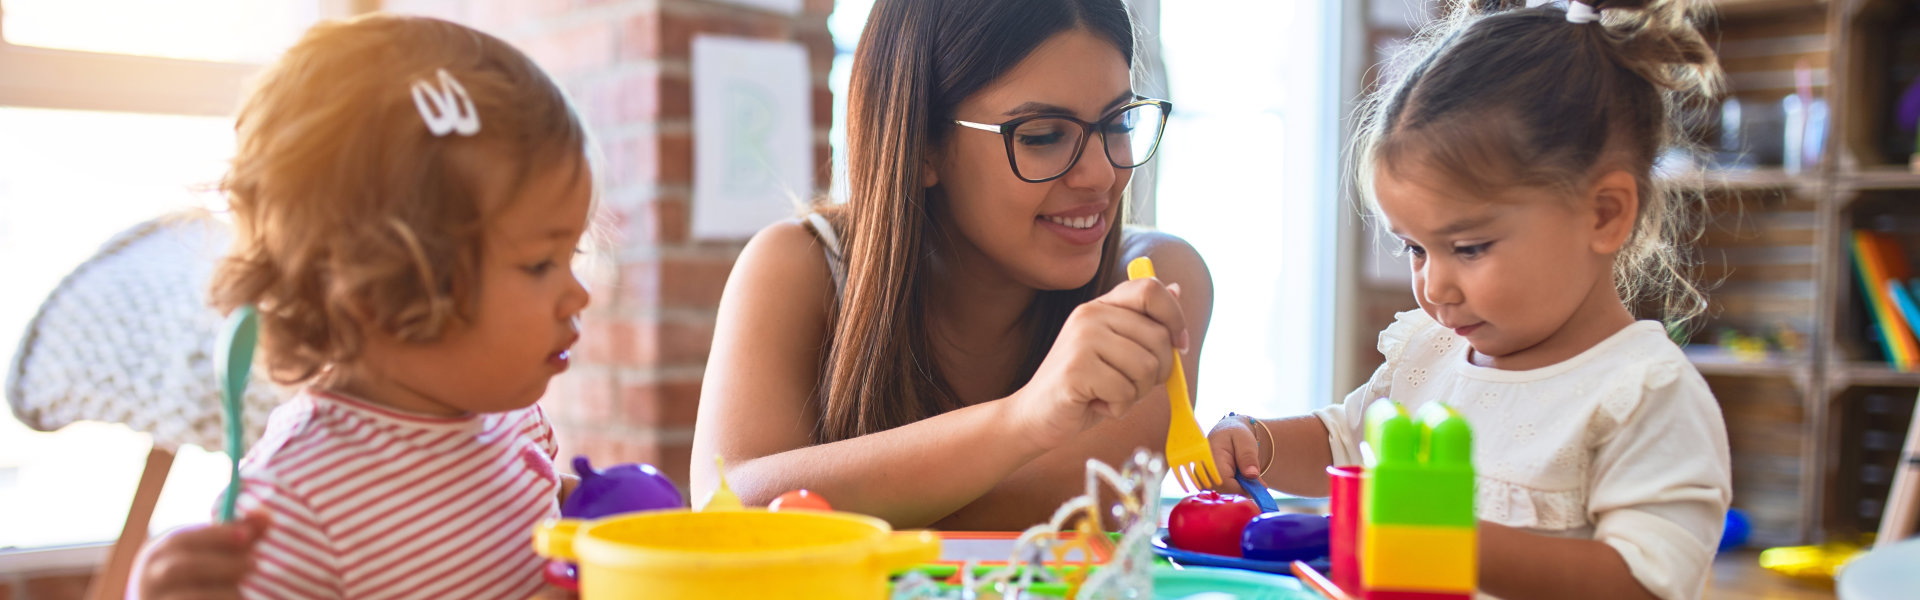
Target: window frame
(98, 81)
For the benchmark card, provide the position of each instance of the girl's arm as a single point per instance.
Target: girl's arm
(1518, 564)
(1299, 455)
(756, 409)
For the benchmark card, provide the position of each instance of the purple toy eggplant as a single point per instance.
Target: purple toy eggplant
(1285, 537)
(618, 489)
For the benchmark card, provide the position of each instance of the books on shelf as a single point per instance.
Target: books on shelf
(1882, 269)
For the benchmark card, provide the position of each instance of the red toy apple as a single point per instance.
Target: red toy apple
(1210, 522)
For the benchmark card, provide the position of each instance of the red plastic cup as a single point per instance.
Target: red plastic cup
(1344, 543)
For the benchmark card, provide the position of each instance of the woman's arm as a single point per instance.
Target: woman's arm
(756, 412)
(1032, 493)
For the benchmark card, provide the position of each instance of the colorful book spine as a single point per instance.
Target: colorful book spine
(1903, 301)
(1874, 266)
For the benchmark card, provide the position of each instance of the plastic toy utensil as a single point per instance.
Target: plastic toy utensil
(722, 498)
(617, 490)
(1257, 491)
(1189, 458)
(232, 362)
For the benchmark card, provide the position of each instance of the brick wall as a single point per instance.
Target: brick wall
(635, 383)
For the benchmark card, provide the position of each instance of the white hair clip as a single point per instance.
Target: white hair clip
(452, 109)
(1580, 13)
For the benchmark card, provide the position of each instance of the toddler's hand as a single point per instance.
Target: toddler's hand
(1236, 450)
(199, 561)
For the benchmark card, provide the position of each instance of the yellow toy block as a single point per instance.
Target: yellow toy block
(1419, 558)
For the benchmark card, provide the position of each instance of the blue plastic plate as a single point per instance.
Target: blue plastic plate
(1201, 559)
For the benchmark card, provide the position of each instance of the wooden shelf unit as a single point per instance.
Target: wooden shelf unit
(1779, 246)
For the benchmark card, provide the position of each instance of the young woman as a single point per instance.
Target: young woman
(950, 347)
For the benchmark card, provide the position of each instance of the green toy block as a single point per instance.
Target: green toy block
(1421, 468)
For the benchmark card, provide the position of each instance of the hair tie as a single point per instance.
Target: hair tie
(1580, 13)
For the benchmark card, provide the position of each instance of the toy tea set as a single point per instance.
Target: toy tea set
(626, 532)
(631, 536)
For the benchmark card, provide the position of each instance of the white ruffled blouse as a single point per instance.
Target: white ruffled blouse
(1623, 443)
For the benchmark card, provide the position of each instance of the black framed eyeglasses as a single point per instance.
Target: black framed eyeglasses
(1041, 148)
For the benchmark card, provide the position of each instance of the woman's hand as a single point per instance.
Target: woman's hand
(1111, 353)
(199, 561)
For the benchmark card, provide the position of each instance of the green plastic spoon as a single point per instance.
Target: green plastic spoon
(232, 361)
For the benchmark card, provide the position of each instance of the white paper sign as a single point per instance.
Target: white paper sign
(786, 7)
(753, 134)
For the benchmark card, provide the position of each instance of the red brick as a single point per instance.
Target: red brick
(639, 37)
(626, 96)
(818, 7)
(662, 221)
(571, 51)
(822, 167)
(679, 27)
(6, 591)
(607, 340)
(676, 98)
(694, 282)
(640, 158)
(673, 460)
(591, 398)
(629, 159)
(818, 42)
(62, 586)
(625, 449)
(664, 405)
(676, 159)
(822, 106)
(673, 342)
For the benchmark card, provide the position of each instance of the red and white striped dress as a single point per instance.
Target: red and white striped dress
(368, 502)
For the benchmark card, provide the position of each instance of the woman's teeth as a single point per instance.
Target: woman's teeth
(1076, 222)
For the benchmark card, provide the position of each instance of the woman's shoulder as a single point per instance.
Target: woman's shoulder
(784, 261)
(1175, 260)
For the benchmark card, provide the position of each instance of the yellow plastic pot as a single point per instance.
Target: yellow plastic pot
(734, 554)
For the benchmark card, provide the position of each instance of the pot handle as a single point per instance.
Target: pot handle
(903, 549)
(553, 539)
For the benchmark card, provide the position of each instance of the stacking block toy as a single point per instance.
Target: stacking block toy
(1418, 537)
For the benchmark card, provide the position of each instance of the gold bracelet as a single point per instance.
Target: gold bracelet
(1270, 446)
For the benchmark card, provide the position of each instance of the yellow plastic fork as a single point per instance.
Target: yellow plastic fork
(1189, 458)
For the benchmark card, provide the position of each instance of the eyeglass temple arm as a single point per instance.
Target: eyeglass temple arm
(979, 126)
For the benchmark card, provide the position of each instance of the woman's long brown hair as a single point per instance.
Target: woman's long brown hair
(917, 59)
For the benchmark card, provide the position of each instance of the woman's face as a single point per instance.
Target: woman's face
(1043, 235)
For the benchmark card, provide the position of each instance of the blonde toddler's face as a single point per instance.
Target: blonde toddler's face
(526, 317)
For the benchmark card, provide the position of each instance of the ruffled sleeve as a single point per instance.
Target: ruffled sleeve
(1662, 478)
(1345, 420)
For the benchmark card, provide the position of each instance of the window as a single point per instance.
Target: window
(1249, 174)
(111, 112)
